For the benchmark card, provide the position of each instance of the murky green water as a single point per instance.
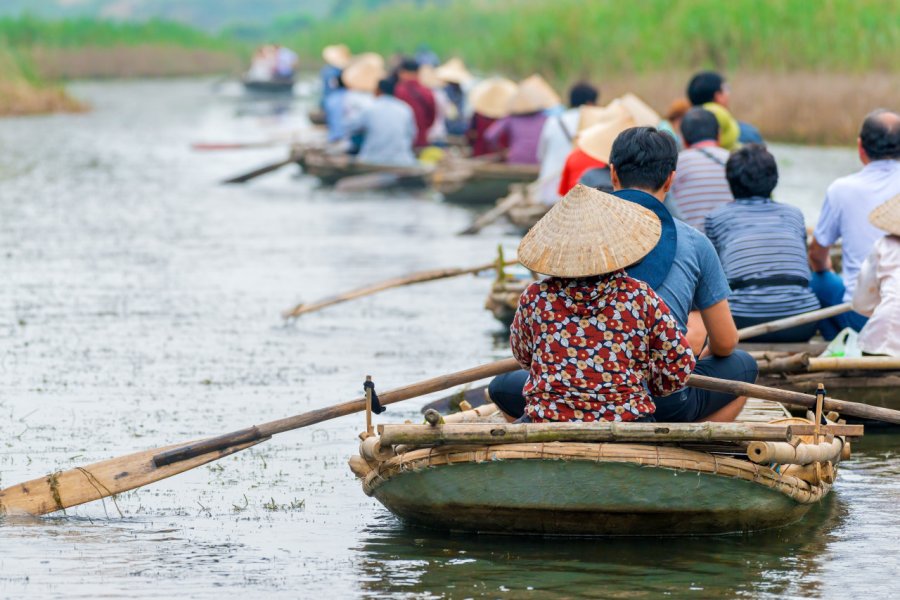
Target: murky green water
(140, 307)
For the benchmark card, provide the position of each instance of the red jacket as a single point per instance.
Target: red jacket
(421, 100)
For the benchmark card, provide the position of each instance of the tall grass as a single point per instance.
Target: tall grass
(569, 38)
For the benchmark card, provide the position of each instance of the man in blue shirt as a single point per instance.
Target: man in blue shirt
(684, 270)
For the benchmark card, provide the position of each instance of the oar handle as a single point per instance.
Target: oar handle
(271, 428)
(739, 388)
(794, 321)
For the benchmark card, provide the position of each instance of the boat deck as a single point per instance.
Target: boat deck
(762, 411)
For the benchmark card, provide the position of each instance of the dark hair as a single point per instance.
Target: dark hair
(703, 87)
(751, 171)
(699, 125)
(582, 93)
(643, 157)
(880, 135)
(408, 63)
(386, 86)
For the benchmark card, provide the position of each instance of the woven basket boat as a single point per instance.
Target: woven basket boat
(478, 182)
(588, 489)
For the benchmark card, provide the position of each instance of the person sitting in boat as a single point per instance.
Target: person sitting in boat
(845, 216)
(592, 339)
(684, 270)
(877, 294)
(490, 102)
(700, 186)
(419, 98)
(454, 75)
(285, 63)
(557, 140)
(762, 246)
(709, 90)
(672, 123)
(336, 57)
(262, 65)
(388, 128)
(526, 120)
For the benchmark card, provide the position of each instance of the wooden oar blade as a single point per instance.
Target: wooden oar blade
(258, 172)
(65, 489)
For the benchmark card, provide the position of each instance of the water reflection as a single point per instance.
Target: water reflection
(398, 560)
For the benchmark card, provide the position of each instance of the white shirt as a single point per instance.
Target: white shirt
(555, 144)
(878, 296)
(389, 129)
(845, 214)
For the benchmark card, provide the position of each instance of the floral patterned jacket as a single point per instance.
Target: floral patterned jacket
(596, 348)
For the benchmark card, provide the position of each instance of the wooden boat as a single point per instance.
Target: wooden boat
(317, 117)
(274, 86)
(476, 181)
(475, 473)
(529, 209)
(331, 168)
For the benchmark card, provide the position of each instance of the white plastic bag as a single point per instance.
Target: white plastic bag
(844, 345)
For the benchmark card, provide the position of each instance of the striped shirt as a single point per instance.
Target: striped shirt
(700, 186)
(758, 238)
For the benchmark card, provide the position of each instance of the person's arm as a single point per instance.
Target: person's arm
(671, 359)
(720, 327)
(867, 296)
(819, 257)
(520, 334)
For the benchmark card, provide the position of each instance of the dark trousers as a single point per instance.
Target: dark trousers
(688, 405)
(829, 289)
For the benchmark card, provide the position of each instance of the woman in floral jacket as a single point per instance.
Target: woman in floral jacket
(595, 342)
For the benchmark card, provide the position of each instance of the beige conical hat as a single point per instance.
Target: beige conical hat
(643, 115)
(428, 77)
(887, 216)
(364, 72)
(534, 95)
(596, 141)
(337, 55)
(587, 233)
(453, 71)
(491, 97)
(588, 116)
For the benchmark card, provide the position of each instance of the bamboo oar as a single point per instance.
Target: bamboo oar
(65, 489)
(208, 146)
(419, 277)
(865, 363)
(509, 203)
(261, 171)
(794, 321)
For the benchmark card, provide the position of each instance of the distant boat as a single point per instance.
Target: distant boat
(269, 86)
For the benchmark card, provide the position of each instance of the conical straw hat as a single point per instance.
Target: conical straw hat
(364, 72)
(534, 95)
(453, 71)
(887, 216)
(587, 233)
(643, 115)
(596, 141)
(589, 116)
(491, 97)
(337, 55)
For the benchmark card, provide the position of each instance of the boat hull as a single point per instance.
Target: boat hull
(330, 169)
(560, 496)
(269, 87)
(481, 184)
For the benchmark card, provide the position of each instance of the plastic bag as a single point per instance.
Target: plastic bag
(844, 345)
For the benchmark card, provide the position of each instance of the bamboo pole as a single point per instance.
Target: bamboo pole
(420, 277)
(787, 364)
(509, 433)
(843, 407)
(762, 452)
(794, 321)
(865, 363)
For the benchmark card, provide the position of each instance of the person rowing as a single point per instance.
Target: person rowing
(684, 271)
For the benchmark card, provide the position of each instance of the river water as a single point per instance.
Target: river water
(140, 307)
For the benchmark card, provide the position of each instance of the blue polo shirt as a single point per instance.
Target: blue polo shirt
(696, 279)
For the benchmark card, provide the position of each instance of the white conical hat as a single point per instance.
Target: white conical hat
(491, 97)
(534, 95)
(643, 115)
(453, 71)
(887, 216)
(364, 72)
(588, 116)
(596, 141)
(587, 233)
(337, 55)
